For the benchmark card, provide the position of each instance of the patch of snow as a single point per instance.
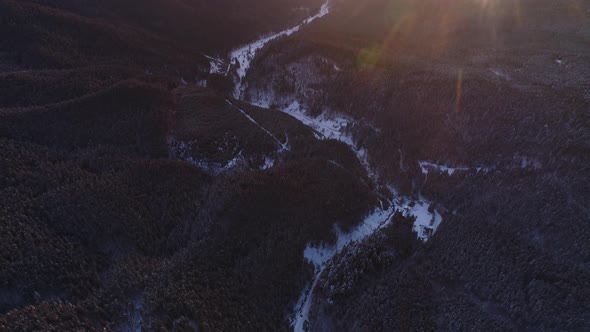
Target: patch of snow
(426, 222)
(240, 58)
(234, 162)
(519, 161)
(427, 167)
(268, 163)
(215, 65)
(319, 256)
(501, 74)
(331, 126)
(558, 61)
(325, 126)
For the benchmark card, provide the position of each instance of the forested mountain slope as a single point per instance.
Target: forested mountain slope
(294, 165)
(481, 107)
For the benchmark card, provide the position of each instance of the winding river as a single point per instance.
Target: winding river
(330, 127)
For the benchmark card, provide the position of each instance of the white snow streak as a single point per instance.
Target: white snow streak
(240, 58)
(268, 163)
(283, 146)
(427, 167)
(319, 256)
(325, 126)
(518, 161)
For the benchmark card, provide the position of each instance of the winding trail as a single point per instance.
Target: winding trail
(283, 146)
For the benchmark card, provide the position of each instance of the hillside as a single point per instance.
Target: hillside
(307, 165)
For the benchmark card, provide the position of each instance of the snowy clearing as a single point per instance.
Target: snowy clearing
(268, 163)
(426, 222)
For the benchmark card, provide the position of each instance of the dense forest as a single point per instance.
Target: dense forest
(501, 99)
(133, 196)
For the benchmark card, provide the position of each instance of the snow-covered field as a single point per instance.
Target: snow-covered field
(518, 161)
(426, 222)
(326, 126)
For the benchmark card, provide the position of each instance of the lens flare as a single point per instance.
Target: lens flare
(459, 91)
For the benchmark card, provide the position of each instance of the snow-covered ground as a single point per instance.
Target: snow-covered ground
(428, 167)
(331, 126)
(268, 163)
(426, 222)
(519, 161)
(240, 58)
(326, 126)
(216, 65)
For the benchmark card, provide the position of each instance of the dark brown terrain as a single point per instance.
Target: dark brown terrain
(134, 197)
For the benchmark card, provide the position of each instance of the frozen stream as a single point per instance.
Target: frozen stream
(328, 126)
(240, 58)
